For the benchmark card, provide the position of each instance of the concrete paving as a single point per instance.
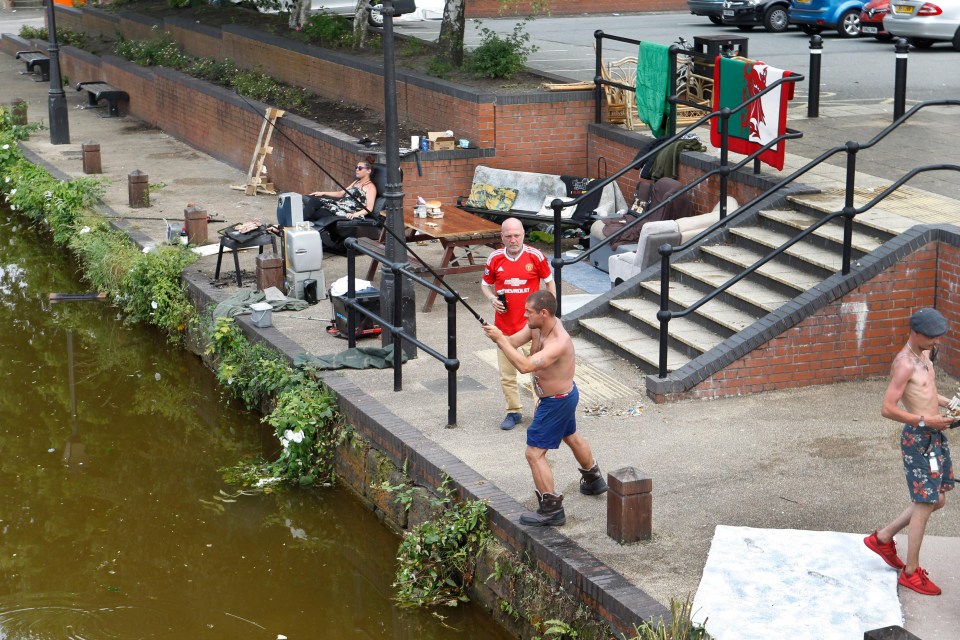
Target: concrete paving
(821, 458)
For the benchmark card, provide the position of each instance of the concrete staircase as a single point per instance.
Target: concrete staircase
(629, 325)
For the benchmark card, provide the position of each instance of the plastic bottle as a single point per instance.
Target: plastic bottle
(183, 236)
(424, 144)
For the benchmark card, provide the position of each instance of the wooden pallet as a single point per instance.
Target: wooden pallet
(256, 181)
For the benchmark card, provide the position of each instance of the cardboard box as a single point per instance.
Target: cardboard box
(440, 141)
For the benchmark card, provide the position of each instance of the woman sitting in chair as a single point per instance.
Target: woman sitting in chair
(327, 209)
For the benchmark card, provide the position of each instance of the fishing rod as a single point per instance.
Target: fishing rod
(364, 207)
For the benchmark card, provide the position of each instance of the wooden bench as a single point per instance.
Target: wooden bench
(35, 60)
(97, 91)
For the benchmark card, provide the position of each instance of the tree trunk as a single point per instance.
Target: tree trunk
(450, 43)
(299, 13)
(360, 25)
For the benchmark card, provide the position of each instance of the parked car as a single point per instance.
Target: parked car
(871, 20)
(713, 9)
(814, 16)
(347, 8)
(746, 14)
(923, 23)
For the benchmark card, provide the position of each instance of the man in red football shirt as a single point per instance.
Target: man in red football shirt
(511, 275)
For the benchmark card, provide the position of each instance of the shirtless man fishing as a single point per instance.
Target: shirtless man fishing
(926, 454)
(552, 362)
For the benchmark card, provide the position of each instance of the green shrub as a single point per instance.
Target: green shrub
(501, 56)
(64, 36)
(328, 30)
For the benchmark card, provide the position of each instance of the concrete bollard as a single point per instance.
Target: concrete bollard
(18, 112)
(195, 221)
(269, 271)
(138, 189)
(629, 505)
(91, 157)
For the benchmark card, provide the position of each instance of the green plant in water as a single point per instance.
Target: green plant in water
(252, 372)
(436, 559)
(682, 627)
(501, 56)
(310, 429)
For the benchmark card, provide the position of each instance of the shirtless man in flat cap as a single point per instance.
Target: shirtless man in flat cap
(923, 443)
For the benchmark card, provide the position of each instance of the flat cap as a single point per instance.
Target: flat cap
(929, 322)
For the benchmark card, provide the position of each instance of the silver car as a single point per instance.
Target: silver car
(923, 23)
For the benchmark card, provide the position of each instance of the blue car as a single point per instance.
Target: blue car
(814, 16)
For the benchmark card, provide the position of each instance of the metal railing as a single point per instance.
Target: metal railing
(665, 315)
(395, 327)
(723, 171)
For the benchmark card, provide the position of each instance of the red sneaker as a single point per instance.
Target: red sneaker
(886, 550)
(919, 582)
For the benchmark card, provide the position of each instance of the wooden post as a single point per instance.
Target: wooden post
(91, 157)
(195, 221)
(138, 189)
(269, 271)
(629, 505)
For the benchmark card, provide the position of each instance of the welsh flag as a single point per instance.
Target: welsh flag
(735, 81)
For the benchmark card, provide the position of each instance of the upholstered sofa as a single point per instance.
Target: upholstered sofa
(499, 194)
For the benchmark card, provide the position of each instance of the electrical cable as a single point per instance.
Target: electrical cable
(363, 206)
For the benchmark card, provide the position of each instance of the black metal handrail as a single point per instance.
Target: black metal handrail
(397, 332)
(724, 171)
(664, 315)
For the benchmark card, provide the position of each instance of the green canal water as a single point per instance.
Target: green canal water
(113, 524)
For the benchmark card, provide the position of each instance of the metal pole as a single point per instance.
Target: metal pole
(452, 355)
(664, 314)
(813, 99)
(900, 83)
(724, 158)
(396, 319)
(598, 76)
(351, 296)
(557, 261)
(395, 250)
(57, 101)
(848, 209)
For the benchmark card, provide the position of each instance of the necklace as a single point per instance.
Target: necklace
(919, 359)
(544, 336)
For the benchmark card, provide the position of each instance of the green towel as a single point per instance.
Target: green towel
(653, 86)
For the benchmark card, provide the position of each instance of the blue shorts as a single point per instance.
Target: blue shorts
(554, 420)
(924, 485)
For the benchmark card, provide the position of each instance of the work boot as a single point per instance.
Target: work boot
(550, 513)
(592, 482)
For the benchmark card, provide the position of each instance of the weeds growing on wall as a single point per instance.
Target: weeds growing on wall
(681, 627)
(437, 559)
(64, 36)
(251, 83)
(501, 56)
(304, 416)
(148, 287)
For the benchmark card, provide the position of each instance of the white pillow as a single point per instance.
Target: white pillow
(546, 210)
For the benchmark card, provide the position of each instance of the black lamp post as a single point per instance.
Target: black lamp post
(395, 250)
(59, 125)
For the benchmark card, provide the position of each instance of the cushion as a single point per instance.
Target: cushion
(486, 196)
(692, 225)
(546, 210)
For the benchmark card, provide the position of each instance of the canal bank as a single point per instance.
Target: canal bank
(696, 456)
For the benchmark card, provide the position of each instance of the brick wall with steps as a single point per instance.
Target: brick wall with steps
(847, 328)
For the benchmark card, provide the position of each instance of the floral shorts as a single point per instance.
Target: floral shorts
(925, 484)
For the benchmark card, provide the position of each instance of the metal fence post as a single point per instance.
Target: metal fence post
(900, 83)
(813, 99)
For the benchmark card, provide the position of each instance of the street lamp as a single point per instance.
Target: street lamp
(59, 125)
(396, 249)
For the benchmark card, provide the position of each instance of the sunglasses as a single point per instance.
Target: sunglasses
(360, 167)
